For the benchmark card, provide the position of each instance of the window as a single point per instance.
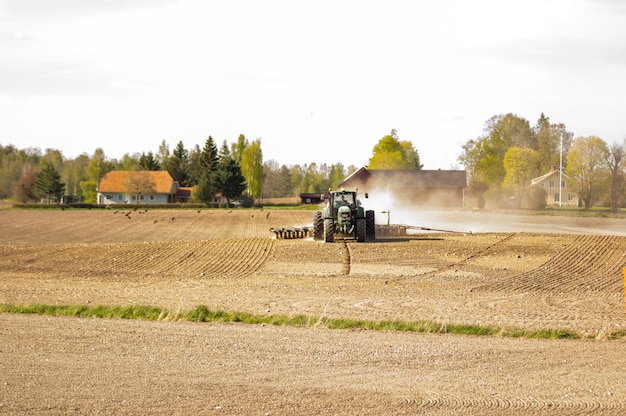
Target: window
(563, 184)
(152, 197)
(344, 200)
(551, 184)
(119, 197)
(570, 197)
(556, 197)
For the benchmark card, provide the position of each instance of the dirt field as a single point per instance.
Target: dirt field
(229, 260)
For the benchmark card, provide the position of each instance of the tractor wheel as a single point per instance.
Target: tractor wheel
(329, 230)
(318, 226)
(361, 229)
(370, 225)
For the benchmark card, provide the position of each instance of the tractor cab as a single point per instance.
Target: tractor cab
(343, 200)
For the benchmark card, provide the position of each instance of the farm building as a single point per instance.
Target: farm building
(184, 194)
(430, 188)
(550, 183)
(137, 187)
(145, 187)
(312, 198)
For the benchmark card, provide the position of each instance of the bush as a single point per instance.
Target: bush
(536, 198)
(247, 201)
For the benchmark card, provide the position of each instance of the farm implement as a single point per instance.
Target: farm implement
(342, 217)
(292, 232)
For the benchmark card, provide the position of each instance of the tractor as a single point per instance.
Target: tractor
(344, 217)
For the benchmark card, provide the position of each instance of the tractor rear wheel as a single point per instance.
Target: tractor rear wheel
(329, 230)
(361, 229)
(318, 225)
(370, 224)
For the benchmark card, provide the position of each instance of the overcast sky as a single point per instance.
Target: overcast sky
(317, 81)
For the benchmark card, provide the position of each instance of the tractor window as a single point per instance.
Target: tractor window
(344, 200)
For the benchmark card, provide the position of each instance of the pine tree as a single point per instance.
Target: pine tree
(229, 178)
(147, 161)
(178, 165)
(48, 184)
(207, 166)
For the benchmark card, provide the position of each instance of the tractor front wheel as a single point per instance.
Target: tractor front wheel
(370, 225)
(329, 230)
(318, 226)
(360, 229)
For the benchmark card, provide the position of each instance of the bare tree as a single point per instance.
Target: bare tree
(138, 183)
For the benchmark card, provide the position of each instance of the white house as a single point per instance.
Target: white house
(137, 187)
(551, 181)
(145, 187)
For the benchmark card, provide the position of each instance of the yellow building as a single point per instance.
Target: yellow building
(550, 183)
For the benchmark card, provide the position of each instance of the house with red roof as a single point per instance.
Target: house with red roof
(139, 187)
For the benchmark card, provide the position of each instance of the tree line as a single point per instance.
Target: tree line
(502, 161)
(28, 175)
(500, 164)
(236, 170)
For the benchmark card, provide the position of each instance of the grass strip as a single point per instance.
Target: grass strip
(202, 314)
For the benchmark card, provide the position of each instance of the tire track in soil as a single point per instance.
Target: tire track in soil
(592, 264)
(361, 256)
(346, 263)
(467, 258)
(410, 259)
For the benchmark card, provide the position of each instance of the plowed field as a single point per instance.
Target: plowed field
(229, 260)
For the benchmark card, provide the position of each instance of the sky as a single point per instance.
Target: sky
(315, 81)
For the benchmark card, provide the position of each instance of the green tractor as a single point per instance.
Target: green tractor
(344, 217)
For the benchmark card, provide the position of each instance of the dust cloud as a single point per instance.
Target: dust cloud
(428, 214)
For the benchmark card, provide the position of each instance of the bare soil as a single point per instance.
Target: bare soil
(229, 260)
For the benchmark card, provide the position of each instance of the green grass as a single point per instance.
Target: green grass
(203, 314)
(149, 313)
(292, 207)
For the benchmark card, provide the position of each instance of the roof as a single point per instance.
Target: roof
(415, 178)
(424, 178)
(114, 181)
(359, 172)
(542, 178)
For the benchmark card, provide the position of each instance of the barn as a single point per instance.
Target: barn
(426, 188)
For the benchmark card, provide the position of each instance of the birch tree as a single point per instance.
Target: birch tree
(585, 163)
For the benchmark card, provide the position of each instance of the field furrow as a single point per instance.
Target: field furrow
(223, 258)
(590, 264)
